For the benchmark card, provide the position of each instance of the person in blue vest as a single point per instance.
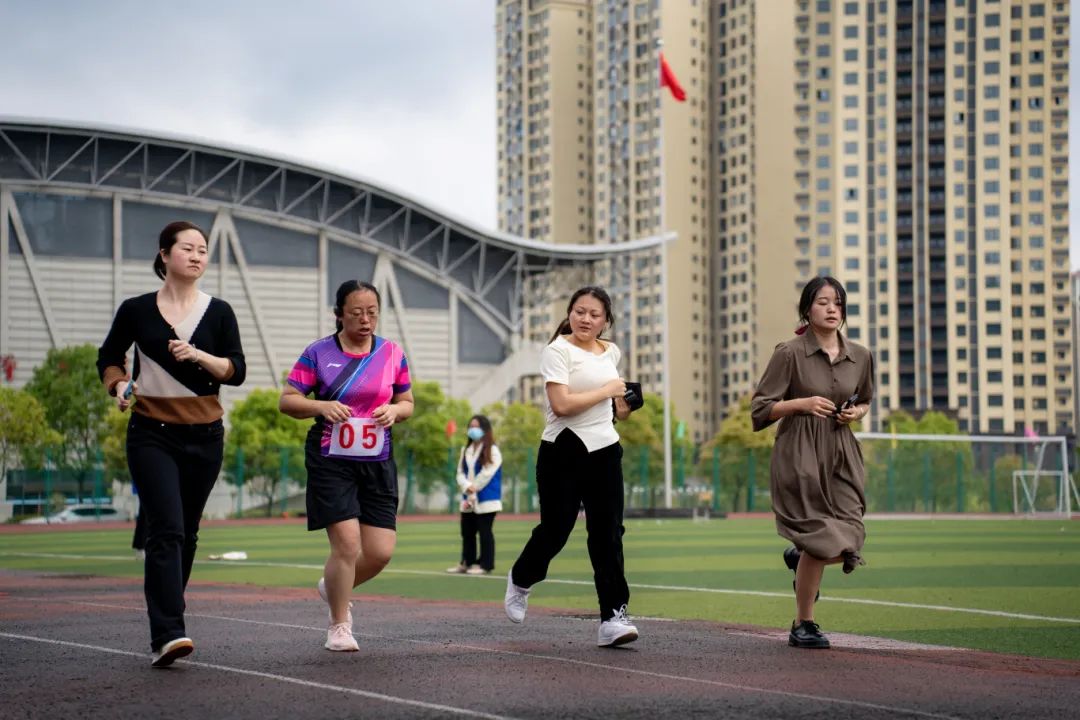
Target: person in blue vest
(479, 476)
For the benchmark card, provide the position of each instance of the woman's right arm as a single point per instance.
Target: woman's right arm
(112, 355)
(301, 407)
(563, 402)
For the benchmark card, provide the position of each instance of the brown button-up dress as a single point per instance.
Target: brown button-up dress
(816, 474)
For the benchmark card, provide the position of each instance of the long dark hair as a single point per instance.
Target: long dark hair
(597, 292)
(167, 239)
(488, 440)
(810, 291)
(346, 289)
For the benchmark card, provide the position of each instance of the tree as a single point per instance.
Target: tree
(518, 427)
(422, 441)
(68, 388)
(738, 449)
(642, 437)
(271, 443)
(114, 446)
(23, 430)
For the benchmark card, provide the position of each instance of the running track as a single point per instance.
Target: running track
(76, 646)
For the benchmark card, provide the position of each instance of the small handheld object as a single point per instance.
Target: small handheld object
(129, 390)
(849, 403)
(633, 396)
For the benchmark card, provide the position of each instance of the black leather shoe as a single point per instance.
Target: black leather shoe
(791, 559)
(807, 634)
(852, 560)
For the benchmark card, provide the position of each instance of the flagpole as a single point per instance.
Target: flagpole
(665, 349)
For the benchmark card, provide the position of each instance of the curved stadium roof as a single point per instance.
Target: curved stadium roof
(487, 265)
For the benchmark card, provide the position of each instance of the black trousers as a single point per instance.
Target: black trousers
(478, 523)
(138, 540)
(567, 477)
(175, 468)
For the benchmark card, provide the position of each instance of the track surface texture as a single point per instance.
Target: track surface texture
(76, 646)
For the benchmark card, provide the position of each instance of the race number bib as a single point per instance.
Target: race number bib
(357, 437)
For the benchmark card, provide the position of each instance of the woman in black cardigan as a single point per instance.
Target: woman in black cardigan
(187, 345)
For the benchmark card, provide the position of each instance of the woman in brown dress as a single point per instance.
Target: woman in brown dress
(819, 382)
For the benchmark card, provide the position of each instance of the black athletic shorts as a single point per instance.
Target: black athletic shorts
(344, 489)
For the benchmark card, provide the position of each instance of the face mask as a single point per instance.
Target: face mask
(475, 433)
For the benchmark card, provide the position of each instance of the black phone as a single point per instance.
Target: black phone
(850, 402)
(633, 396)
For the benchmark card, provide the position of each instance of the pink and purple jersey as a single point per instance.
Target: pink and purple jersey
(363, 382)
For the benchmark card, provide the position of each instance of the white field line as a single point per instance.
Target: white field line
(637, 586)
(265, 675)
(570, 661)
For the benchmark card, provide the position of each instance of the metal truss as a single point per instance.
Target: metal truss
(487, 268)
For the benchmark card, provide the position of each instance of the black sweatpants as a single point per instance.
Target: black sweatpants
(473, 523)
(567, 477)
(175, 467)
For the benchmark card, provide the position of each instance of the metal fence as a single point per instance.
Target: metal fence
(906, 477)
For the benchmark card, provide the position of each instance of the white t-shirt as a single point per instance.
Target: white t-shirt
(564, 363)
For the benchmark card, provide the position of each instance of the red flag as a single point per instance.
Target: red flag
(668, 80)
(451, 428)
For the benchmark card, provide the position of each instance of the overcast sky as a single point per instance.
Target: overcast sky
(400, 92)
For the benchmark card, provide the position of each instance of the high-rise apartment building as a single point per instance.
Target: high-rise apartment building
(915, 149)
(585, 137)
(932, 181)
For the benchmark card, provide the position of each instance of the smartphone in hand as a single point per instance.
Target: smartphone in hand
(849, 403)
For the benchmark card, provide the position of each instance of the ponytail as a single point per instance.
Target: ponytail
(563, 329)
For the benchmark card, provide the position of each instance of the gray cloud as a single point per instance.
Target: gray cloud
(401, 93)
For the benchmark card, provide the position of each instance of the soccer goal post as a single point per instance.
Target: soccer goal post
(926, 473)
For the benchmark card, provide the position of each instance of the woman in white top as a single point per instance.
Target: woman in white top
(479, 477)
(580, 463)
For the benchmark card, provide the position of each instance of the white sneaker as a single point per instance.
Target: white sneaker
(172, 651)
(456, 570)
(140, 555)
(339, 638)
(516, 601)
(326, 599)
(617, 630)
(476, 570)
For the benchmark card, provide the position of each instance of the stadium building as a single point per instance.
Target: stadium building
(80, 212)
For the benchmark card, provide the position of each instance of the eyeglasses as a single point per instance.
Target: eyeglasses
(357, 314)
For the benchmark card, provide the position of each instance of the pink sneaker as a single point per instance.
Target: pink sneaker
(339, 638)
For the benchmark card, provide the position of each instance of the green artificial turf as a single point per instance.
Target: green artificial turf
(1011, 566)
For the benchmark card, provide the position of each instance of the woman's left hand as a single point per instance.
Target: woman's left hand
(385, 415)
(852, 414)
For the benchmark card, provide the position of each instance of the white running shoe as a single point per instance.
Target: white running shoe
(339, 638)
(172, 651)
(326, 599)
(476, 570)
(457, 569)
(516, 601)
(617, 630)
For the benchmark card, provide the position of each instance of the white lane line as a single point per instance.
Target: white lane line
(588, 583)
(557, 659)
(268, 676)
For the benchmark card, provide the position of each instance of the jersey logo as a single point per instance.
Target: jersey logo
(333, 364)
